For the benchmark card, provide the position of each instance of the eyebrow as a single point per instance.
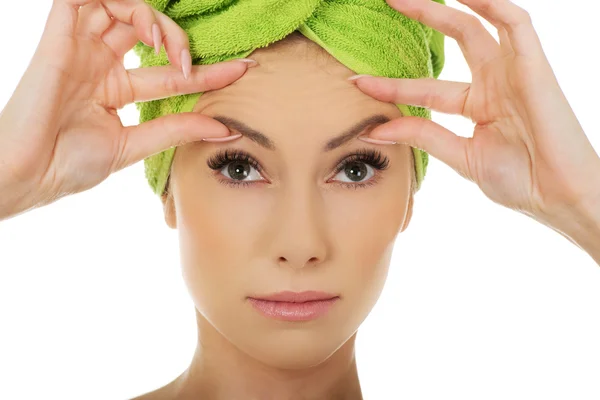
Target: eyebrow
(264, 141)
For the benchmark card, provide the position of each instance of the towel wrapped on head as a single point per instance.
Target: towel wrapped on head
(367, 36)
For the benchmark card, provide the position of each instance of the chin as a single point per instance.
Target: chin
(284, 344)
(293, 349)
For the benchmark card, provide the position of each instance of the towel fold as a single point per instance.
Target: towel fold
(367, 36)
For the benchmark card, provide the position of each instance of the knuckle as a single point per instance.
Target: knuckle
(419, 14)
(175, 37)
(208, 77)
(147, 13)
(135, 15)
(523, 17)
(396, 87)
(466, 27)
(207, 81)
(142, 14)
(457, 32)
(180, 142)
(429, 98)
(473, 25)
(519, 16)
(171, 83)
(486, 6)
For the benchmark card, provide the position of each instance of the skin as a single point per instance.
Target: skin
(528, 152)
(293, 229)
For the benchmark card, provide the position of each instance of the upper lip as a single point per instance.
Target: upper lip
(297, 297)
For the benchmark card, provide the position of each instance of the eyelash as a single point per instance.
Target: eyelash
(374, 158)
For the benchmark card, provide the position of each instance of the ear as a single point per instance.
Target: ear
(169, 209)
(409, 213)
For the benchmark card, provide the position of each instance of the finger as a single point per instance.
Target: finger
(154, 136)
(62, 20)
(435, 94)
(159, 82)
(430, 137)
(93, 20)
(505, 42)
(136, 13)
(514, 19)
(120, 37)
(477, 44)
(174, 38)
(64, 17)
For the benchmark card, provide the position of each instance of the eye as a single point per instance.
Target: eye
(362, 168)
(237, 166)
(357, 171)
(241, 169)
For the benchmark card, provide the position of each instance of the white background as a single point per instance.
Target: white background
(481, 302)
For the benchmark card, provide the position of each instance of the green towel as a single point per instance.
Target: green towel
(367, 36)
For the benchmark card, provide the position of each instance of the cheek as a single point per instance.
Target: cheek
(217, 235)
(366, 224)
(218, 222)
(366, 229)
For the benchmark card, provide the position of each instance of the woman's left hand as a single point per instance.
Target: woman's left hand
(528, 151)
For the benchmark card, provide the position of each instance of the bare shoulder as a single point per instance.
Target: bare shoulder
(170, 391)
(163, 393)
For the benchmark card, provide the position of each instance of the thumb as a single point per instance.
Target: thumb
(430, 137)
(138, 142)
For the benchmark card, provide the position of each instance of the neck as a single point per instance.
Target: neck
(219, 370)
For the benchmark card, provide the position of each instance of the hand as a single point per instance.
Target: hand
(60, 133)
(528, 151)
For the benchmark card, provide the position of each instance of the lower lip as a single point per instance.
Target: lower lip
(287, 311)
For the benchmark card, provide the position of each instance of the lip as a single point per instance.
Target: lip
(296, 297)
(292, 306)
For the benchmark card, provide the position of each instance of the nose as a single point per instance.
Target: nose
(300, 239)
(291, 261)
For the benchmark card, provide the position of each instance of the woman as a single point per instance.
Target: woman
(519, 156)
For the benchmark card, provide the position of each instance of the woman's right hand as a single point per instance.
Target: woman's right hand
(60, 133)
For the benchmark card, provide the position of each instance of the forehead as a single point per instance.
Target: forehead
(297, 86)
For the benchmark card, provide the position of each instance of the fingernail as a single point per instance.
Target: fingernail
(223, 139)
(355, 77)
(251, 63)
(157, 37)
(375, 141)
(186, 63)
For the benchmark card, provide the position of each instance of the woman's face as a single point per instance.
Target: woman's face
(299, 223)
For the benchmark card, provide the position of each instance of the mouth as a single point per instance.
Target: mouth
(297, 297)
(294, 306)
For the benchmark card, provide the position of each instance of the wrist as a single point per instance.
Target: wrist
(580, 224)
(15, 199)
